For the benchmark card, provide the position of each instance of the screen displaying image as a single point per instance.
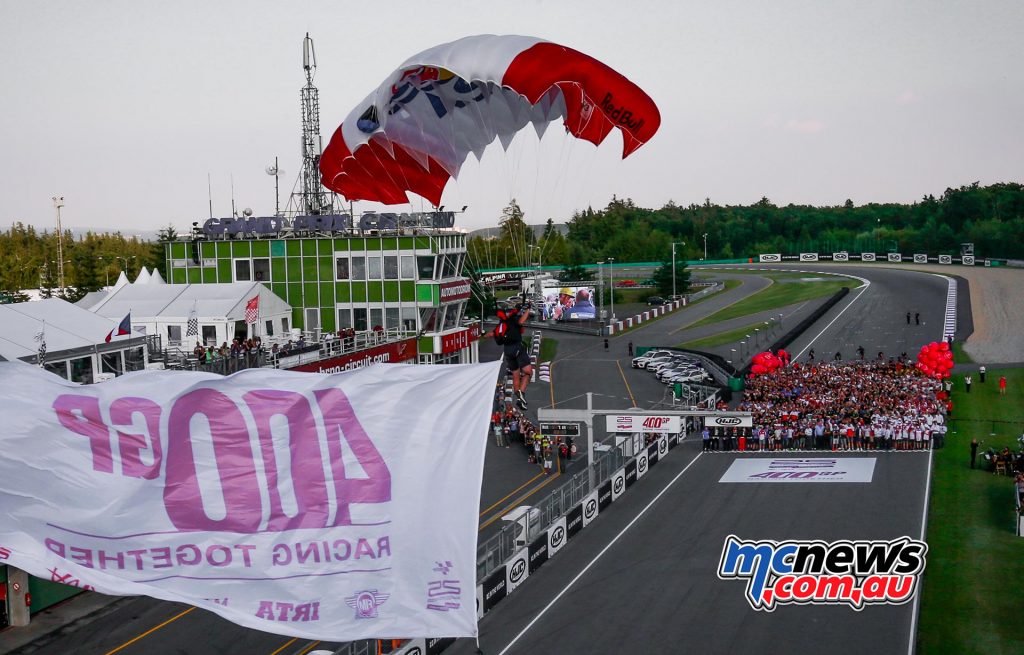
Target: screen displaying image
(563, 303)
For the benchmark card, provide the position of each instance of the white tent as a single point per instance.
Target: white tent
(74, 336)
(156, 278)
(164, 309)
(143, 277)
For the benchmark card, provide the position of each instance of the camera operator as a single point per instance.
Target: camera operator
(509, 333)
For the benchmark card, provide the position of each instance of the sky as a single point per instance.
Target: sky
(126, 107)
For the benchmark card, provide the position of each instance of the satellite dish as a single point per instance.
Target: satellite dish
(247, 211)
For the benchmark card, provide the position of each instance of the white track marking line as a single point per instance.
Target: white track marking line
(597, 557)
(863, 288)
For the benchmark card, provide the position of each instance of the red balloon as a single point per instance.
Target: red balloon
(944, 347)
(758, 369)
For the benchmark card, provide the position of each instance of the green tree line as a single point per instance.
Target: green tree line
(28, 259)
(990, 217)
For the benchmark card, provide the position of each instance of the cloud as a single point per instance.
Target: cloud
(908, 97)
(810, 126)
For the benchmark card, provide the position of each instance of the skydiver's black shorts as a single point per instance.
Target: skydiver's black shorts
(516, 356)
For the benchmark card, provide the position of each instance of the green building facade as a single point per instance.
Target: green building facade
(408, 282)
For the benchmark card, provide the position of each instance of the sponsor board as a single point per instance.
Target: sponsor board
(454, 291)
(840, 257)
(967, 260)
(556, 536)
(630, 473)
(461, 339)
(643, 423)
(767, 259)
(604, 496)
(652, 454)
(590, 508)
(853, 573)
(479, 601)
(574, 521)
(641, 463)
(729, 421)
(436, 645)
(894, 257)
(662, 447)
(538, 552)
(808, 256)
(867, 256)
(817, 469)
(494, 588)
(389, 353)
(920, 259)
(945, 259)
(618, 483)
(517, 569)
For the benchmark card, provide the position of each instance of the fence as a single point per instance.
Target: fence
(494, 552)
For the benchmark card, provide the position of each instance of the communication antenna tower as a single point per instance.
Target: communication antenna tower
(312, 198)
(58, 202)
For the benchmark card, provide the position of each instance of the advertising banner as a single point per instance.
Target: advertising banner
(604, 496)
(895, 257)
(556, 536)
(945, 259)
(729, 421)
(770, 258)
(630, 473)
(455, 291)
(819, 469)
(643, 423)
(840, 257)
(573, 521)
(538, 552)
(867, 256)
(517, 570)
(968, 260)
(641, 463)
(461, 339)
(808, 256)
(563, 303)
(389, 353)
(590, 508)
(494, 589)
(618, 483)
(289, 503)
(662, 447)
(920, 259)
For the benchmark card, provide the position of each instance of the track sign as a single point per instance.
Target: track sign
(729, 421)
(808, 256)
(920, 259)
(590, 508)
(840, 257)
(867, 256)
(557, 536)
(643, 423)
(641, 463)
(968, 260)
(770, 258)
(618, 484)
(517, 570)
(895, 257)
(945, 259)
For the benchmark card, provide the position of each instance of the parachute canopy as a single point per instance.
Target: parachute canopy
(416, 129)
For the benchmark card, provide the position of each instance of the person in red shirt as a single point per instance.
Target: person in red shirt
(1002, 385)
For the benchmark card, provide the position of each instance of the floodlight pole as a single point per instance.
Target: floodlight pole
(674, 244)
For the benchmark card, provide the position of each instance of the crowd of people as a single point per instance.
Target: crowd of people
(238, 349)
(510, 427)
(859, 405)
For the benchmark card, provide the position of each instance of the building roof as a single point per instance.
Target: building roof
(174, 302)
(67, 327)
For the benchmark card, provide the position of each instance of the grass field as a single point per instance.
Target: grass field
(777, 295)
(548, 348)
(960, 356)
(732, 336)
(974, 581)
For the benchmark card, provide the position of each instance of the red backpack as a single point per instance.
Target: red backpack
(501, 333)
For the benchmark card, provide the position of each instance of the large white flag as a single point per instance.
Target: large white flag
(332, 507)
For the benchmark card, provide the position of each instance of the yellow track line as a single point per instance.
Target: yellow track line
(628, 390)
(522, 498)
(150, 631)
(551, 383)
(286, 645)
(510, 493)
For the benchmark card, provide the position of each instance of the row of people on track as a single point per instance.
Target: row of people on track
(821, 435)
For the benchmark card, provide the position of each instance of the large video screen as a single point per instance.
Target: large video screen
(563, 303)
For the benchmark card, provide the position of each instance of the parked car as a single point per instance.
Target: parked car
(626, 283)
(655, 300)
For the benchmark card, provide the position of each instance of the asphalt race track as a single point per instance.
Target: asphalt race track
(647, 583)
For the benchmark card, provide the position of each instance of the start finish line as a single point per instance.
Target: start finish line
(819, 469)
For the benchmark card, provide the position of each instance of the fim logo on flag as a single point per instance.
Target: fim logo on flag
(365, 603)
(252, 310)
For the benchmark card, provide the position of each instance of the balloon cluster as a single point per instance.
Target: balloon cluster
(767, 362)
(935, 360)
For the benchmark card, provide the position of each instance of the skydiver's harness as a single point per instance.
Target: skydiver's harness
(508, 327)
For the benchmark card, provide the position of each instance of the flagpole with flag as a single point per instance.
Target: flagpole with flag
(123, 328)
(192, 329)
(41, 338)
(252, 312)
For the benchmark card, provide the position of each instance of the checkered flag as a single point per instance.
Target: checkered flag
(41, 338)
(193, 323)
(252, 310)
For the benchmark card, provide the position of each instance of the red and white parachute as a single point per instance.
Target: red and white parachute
(416, 129)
